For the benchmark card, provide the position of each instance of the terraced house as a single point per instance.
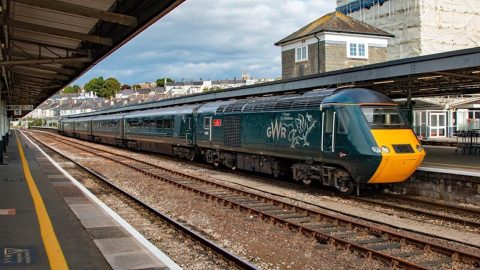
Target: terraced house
(334, 41)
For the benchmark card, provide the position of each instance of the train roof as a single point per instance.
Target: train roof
(213, 106)
(109, 117)
(357, 96)
(163, 111)
(311, 99)
(83, 119)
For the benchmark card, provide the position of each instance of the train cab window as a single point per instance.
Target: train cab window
(343, 121)
(206, 122)
(329, 122)
(384, 117)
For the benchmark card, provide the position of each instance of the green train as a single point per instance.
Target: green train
(345, 138)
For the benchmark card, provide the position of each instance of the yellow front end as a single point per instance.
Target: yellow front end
(396, 167)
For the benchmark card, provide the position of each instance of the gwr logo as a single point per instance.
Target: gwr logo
(276, 130)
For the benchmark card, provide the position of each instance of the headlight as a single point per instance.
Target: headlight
(385, 149)
(376, 149)
(419, 148)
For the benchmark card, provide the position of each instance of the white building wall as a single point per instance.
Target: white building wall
(424, 27)
(449, 25)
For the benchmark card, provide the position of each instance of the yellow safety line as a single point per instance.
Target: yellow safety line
(452, 165)
(50, 241)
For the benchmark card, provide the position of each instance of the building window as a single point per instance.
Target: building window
(301, 54)
(357, 50)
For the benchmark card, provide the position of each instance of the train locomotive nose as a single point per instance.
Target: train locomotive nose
(401, 155)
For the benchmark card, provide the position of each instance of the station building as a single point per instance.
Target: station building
(334, 41)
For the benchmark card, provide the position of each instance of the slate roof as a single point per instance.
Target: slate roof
(145, 91)
(127, 92)
(335, 22)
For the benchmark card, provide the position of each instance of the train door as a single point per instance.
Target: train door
(328, 130)
(207, 128)
(189, 130)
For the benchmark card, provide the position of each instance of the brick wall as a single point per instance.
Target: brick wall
(292, 69)
(288, 63)
(332, 57)
(336, 57)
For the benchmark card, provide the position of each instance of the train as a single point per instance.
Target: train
(347, 138)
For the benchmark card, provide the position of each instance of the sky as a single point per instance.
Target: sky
(211, 39)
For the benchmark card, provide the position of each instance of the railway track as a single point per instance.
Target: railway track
(392, 248)
(125, 198)
(454, 214)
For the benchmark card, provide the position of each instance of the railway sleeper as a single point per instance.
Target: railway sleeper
(257, 204)
(346, 235)
(245, 201)
(291, 216)
(408, 254)
(278, 212)
(394, 245)
(300, 220)
(369, 241)
(332, 230)
(266, 208)
(323, 225)
(232, 197)
(436, 262)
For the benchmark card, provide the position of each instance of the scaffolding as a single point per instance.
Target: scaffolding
(420, 27)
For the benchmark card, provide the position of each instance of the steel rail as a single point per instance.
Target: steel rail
(379, 202)
(438, 204)
(456, 255)
(236, 260)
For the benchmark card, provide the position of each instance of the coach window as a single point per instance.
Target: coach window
(160, 123)
(167, 123)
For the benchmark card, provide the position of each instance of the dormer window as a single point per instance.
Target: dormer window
(301, 54)
(357, 50)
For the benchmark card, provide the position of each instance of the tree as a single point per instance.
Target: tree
(112, 86)
(137, 86)
(103, 88)
(95, 85)
(71, 89)
(161, 81)
(125, 86)
(211, 89)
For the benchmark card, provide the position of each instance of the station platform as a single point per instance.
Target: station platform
(444, 159)
(47, 221)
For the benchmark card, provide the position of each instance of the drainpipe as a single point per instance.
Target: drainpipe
(318, 53)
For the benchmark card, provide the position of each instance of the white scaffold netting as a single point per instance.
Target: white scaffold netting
(425, 26)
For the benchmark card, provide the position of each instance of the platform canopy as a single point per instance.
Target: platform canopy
(46, 44)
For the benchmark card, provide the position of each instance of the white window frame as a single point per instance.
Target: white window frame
(301, 53)
(357, 50)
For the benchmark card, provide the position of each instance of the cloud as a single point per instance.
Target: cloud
(214, 39)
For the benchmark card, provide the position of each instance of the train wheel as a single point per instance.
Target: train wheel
(347, 188)
(307, 181)
(191, 156)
